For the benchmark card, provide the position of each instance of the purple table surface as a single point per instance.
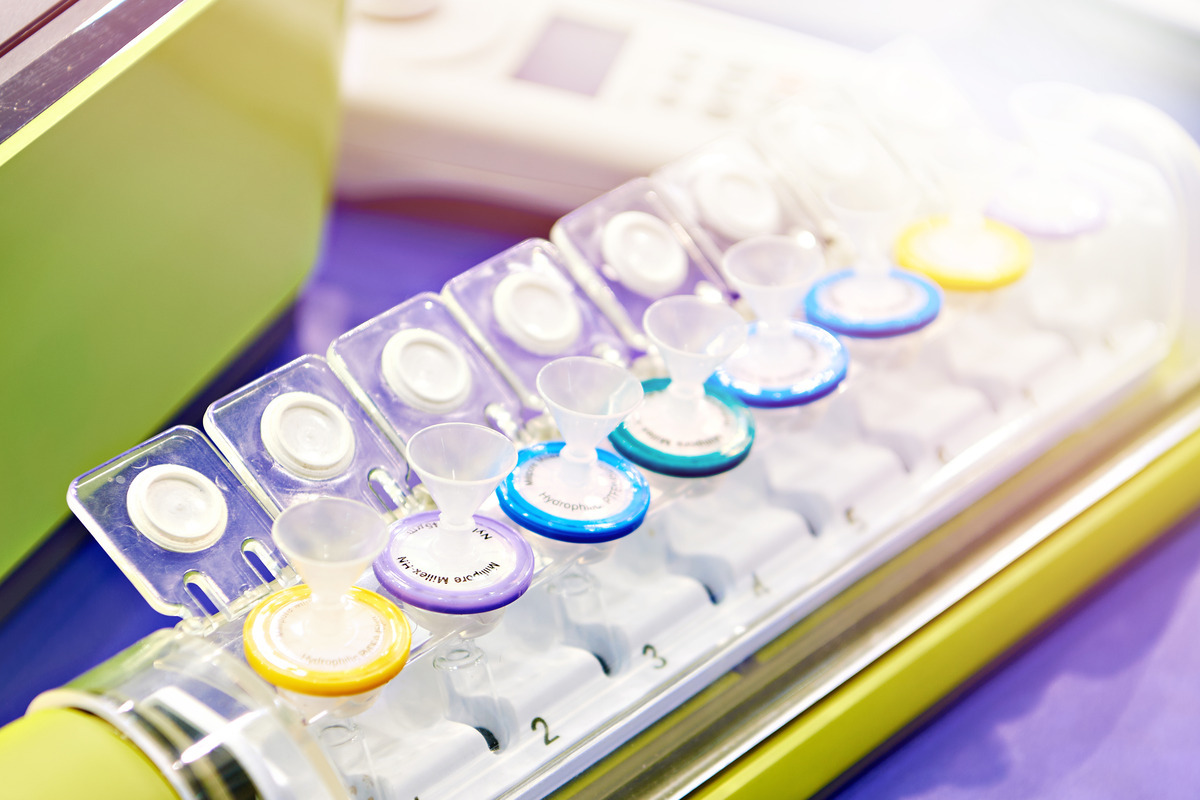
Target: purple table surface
(1104, 703)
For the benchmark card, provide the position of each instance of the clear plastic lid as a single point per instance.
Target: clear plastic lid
(180, 525)
(727, 192)
(523, 309)
(297, 432)
(627, 248)
(418, 352)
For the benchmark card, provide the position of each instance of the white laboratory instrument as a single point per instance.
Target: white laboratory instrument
(548, 103)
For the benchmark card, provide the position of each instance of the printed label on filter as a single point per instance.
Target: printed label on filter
(778, 362)
(359, 641)
(422, 558)
(711, 433)
(607, 493)
(867, 299)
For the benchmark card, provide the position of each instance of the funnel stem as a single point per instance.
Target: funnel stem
(328, 614)
(873, 263)
(686, 398)
(454, 536)
(576, 464)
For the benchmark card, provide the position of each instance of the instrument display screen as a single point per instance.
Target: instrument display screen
(572, 55)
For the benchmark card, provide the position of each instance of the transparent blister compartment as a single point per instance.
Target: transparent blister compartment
(297, 433)
(414, 366)
(627, 248)
(727, 192)
(180, 525)
(524, 310)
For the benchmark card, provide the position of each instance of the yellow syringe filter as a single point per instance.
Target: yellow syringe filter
(966, 256)
(327, 637)
(356, 650)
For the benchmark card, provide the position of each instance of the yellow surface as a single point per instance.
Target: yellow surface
(154, 221)
(817, 747)
(62, 753)
(276, 668)
(912, 252)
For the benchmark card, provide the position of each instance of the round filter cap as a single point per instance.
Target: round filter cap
(611, 504)
(656, 438)
(538, 312)
(969, 258)
(798, 364)
(494, 573)
(366, 652)
(873, 307)
(738, 203)
(177, 508)
(307, 435)
(426, 370)
(644, 253)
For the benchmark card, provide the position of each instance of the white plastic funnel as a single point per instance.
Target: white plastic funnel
(589, 397)
(872, 209)
(773, 273)
(693, 336)
(460, 464)
(329, 541)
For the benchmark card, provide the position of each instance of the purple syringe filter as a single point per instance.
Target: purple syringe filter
(1049, 203)
(179, 524)
(414, 366)
(421, 568)
(627, 248)
(524, 310)
(450, 561)
(726, 192)
(298, 432)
